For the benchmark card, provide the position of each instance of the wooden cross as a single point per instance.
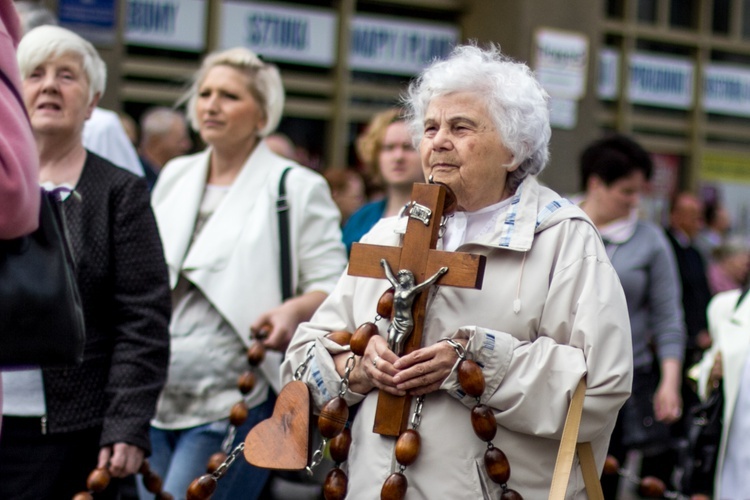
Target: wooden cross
(419, 256)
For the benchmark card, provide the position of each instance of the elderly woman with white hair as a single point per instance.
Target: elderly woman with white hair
(61, 423)
(550, 312)
(218, 218)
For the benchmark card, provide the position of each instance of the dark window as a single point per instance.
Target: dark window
(683, 13)
(615, 8)
(746, 19)
(720, 23)
(647, 11)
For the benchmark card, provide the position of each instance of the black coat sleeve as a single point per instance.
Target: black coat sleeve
(141, 311)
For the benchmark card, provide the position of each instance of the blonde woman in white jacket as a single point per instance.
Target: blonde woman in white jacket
(217, 216)
(550, 312)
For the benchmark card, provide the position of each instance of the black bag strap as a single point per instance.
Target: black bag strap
(282, 207)
(742, 296)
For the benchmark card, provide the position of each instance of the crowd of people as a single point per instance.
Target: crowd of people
(177, 241)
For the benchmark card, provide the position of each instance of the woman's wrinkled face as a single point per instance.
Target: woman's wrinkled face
(461, 147)
(227, 112)
(399, 162)
(622, 196)
(56, 94)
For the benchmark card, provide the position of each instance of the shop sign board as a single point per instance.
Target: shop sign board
(172, 24)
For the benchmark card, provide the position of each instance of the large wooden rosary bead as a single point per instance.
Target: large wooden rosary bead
(214, 461)
(407, 447)
(394, 487)
(201, 488)
(611, 465)
(471, 378)
(84, 495)
(256, 353)
(238, 414)
(335, 485)
(651, 487)
(333, 417)
(341, 337)
(361, 338)
(509, 494)
(163, 495)
(385, 304)
(497, 465)
(152, 482)
(484, 423)
(145, 468)
(339, 446)
(246, 382)
(98, 480)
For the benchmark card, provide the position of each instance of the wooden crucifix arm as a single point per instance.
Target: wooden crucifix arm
(432, 279)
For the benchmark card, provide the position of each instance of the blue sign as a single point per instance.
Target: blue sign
(92, 19)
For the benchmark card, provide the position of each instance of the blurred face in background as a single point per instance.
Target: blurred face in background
(228, 114)
(399, 162)
(618, 199)
(177, 141)
(351, 197)
(687, 215)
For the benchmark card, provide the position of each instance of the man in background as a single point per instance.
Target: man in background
(685, 224)
(164, 135)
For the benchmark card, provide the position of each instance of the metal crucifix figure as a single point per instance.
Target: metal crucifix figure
(405, 291)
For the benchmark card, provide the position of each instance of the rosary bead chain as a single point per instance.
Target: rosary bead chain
(99, 479)
(335, 485)
(333, 423)
(649, 486)
(339, 446)
(203, 487)
(496, 463)
(238, 414)
(385, 303)
(394, 487)
(362, 336)
(408, 446)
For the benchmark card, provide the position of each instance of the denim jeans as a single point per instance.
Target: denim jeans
(180, 456)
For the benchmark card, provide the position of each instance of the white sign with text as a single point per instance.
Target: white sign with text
(391, 45)
(174, 24)
(291, 34)
(666, 82)
(560, 62)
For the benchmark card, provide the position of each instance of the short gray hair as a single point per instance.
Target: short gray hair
(47, 42)
(159, 120)
(265, 84)
(515, 100)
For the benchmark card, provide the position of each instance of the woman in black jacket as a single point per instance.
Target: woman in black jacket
(59, 424)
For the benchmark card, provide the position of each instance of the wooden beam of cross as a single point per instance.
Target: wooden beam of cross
(419, 256)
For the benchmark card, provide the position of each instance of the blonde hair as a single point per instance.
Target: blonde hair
(370, 142)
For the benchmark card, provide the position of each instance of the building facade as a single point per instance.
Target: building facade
(675, 74)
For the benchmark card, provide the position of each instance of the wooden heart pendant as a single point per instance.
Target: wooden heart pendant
(282, 442)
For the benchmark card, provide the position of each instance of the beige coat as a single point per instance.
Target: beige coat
(551, 311)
